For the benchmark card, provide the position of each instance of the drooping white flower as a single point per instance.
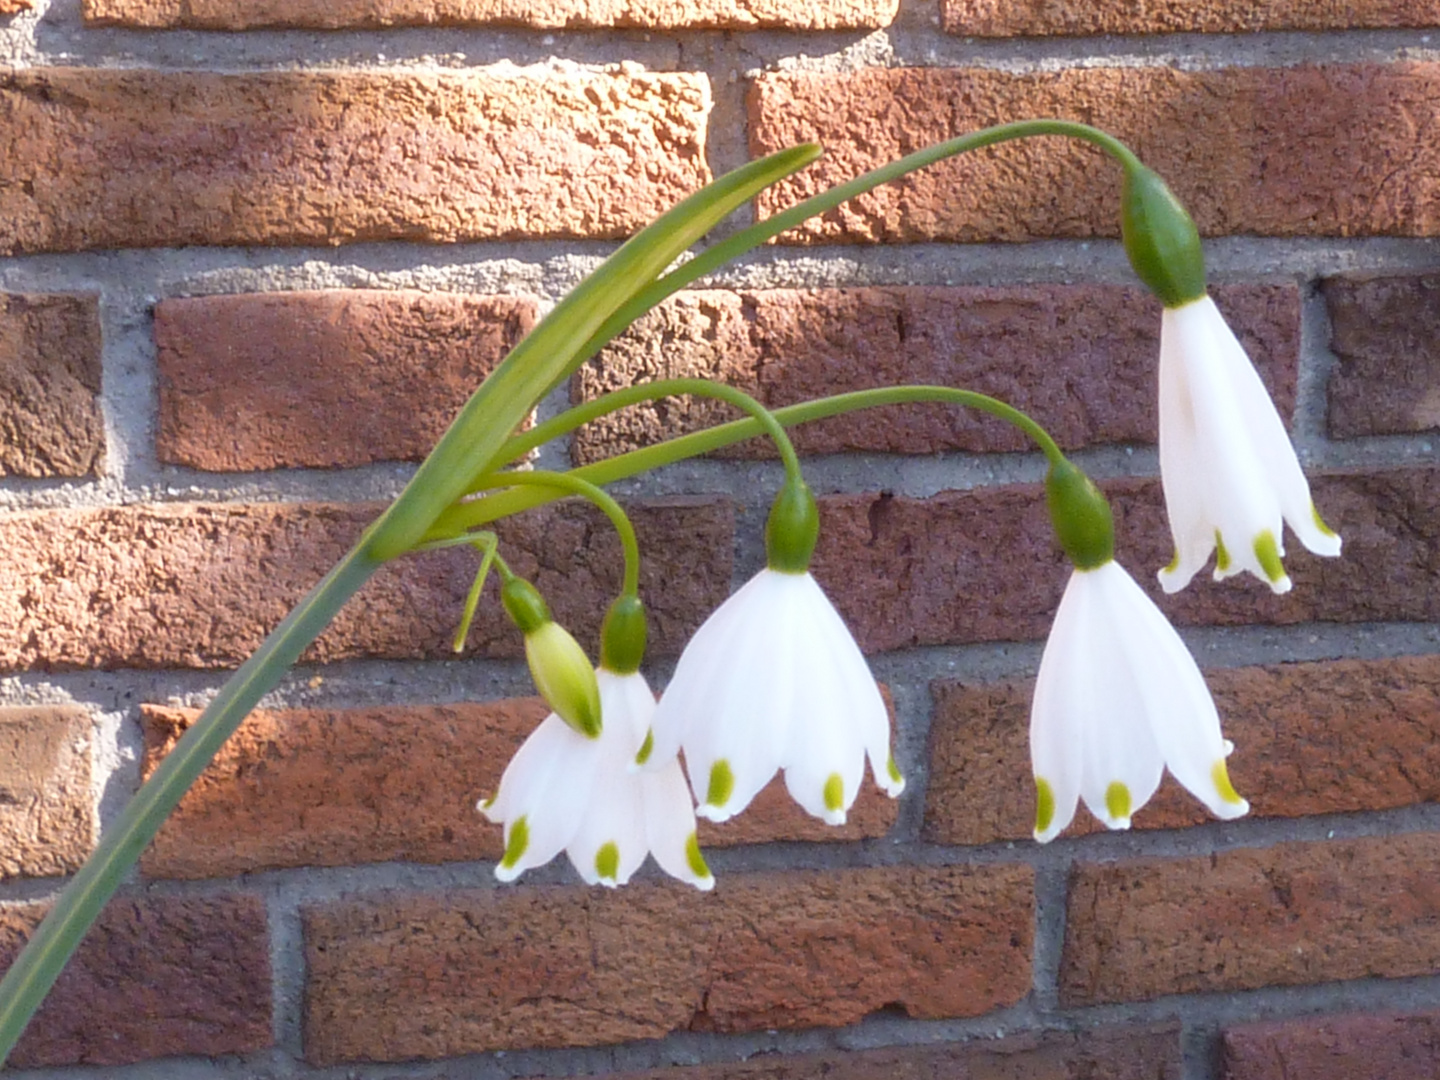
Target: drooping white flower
(1228, 468)
(773, 680)
(1119, 698)
(565, 791)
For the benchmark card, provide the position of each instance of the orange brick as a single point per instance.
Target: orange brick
(143, 158)
(47, 812)
(182, 585)
(1316, 738)
(1283, 916)
(50, 385)
(155, 977)
(434, 976)
(1240, 146)
(316, 787)
(980, 565)
(323, 379)
(1031, 18)
(559, 14)
(1079, 358)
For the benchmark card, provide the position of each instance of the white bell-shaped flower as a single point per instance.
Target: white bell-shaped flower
(1228, 468)
(565, 791)
(774, 680)
(1119, 698)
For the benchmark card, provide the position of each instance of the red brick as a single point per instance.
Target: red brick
(559, 14)
(50, 418)
(1033, 18)
(980, 565)
(322, 379)
(433, 976)
(12, 7)
(318, 787)
(47, 809)
(1121, 1053)
(1079, 358)
(1241, 146)
(1385, 334)
(1316, 738)
(156, 976)
(183, 585)
(1281, 916)
(143, 158)
(1364, 1047)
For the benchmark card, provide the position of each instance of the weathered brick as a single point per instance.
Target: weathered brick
(141, 158)
(980, 565)
(50, 418)
(1385, 334)
(47, 813)
(1120, 1053)
(322, 379)
(12, 7)
(560, 14)
(1238, 145)
(1314, 738)
(432, 976)
(1035, 18)
(184, 585)
(1334, 1048)
(1239, 920)
(317, 787)
(1080, 358)
(155, 977)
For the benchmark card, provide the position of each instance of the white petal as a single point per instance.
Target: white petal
(670, 826)
(1183, 719)
(1180, 465)
(1122, 764)
(610, 843)
(547, 784)
(1056, 727)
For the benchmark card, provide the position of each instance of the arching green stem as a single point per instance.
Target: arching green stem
(570, 484)
(469, 515)
(714, 257)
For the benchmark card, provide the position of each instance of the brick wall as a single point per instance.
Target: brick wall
(253, 256)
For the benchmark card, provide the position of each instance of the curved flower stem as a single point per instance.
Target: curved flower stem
(569, 484)
(468, 515)
(716, 256)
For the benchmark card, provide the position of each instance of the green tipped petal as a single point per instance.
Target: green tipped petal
(722, 784)
(646, 748)
(1221, 776)
(1267, 553)
(1325, 530)
(694, 859)
(1222, 557)
(1117, 801)
(1044, 805)
(607, 862)
(516, 843)
(834, 793)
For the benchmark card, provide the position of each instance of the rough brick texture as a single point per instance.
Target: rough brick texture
(1122, 1053)
(1335, 1048)
(141, 158)
(50, 420)
(47, 815)
(1280, 916)
(468, 972)
(182, 585)
(1314, 738)
(322, 379)
(1240, 146)
(312, 787)
(1034, 18)
(155, 977)
(1080, 358)
(12, 7)
(980, 565)
(1385, 334)
(566, 14)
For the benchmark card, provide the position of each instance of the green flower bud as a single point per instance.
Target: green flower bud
(1161, 239)
(564, 677)
(622, 637)
(792, 529)
(1080, 515)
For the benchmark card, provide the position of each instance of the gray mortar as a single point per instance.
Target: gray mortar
(129, 283)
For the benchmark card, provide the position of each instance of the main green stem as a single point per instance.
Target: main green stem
(465, 516)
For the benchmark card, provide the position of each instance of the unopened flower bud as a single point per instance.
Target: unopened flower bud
(558, 664)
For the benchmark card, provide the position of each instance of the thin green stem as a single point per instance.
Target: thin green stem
(570, 484)
(718, 254)
(38, 965)
(488, 544)
(468, 515)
